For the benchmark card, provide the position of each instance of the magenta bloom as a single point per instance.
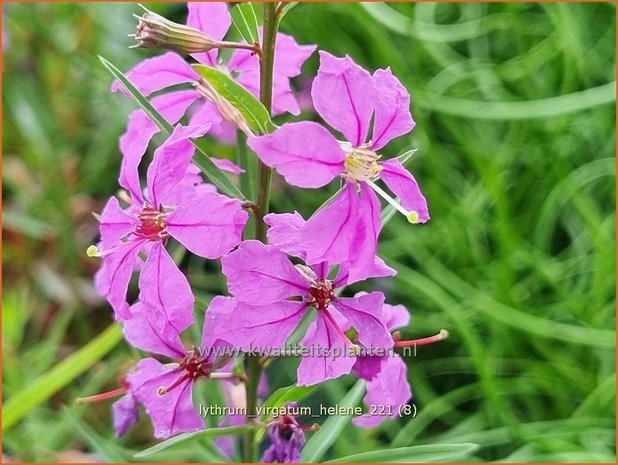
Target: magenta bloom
(271, 297)
(309, 156)
(170, 69)
(206, 223)
(125, 414)
(166, 391)
(287, 439)
(387, 383)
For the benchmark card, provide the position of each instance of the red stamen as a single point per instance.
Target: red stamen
(443, 334)
(332, 321)
(103, 396)
(181, 379)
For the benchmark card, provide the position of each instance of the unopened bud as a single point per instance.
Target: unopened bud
(155, 31)
(226, 109)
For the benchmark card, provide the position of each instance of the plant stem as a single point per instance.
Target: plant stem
(253, 367)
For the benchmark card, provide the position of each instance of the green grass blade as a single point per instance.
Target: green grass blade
(208, 433)
(107, 448)
(63, 373)
(416, 454)
(331, 429)
(214, 174)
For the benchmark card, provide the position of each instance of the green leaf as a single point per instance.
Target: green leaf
(415, 454)
(202, 160)
(142, 101)
(287, 7)
(245, 20)
(208, 433)
(107, 448)
(251, 108)
(46, 385)
(287, 394)
(331, 429)
(278, 399)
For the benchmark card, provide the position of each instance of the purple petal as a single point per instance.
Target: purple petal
(364, 243)
(323, 337)
(389, 389)
(208, 225)
(125, 414)
(245, 61)
(157, 73)
(171, 413)
(112, 279)
(188, 188)
(206, 114)
(343, 94)
(170, 162)
(213, 19)
(260, 274)
(253, 328)
(377, 269)
(133, 144)
(368, 366)
(115, 223)
(290, 56)
(305, 153)
(165, 291)
(395, 316)
(327, 236)
(227, 165)
(283, 232)
(365, 315)
(140, 129)
(392, 113)
(401, 182)
(141, 332)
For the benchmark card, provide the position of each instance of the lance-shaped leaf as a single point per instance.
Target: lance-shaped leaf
(244, 19)
(202, 160)
(207, 433)
(252, 110)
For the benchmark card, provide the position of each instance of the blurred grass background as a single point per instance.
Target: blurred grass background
(515, 112)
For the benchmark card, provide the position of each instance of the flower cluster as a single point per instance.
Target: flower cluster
(303, 268)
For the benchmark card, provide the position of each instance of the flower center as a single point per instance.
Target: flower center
(152, 223)
(320, 295)
(362, 164)
(193, 366)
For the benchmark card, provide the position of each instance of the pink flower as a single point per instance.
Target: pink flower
(169, 69)
(309, 156)
(174, 204)
(387, 383)
(271, 298)
(166, 391)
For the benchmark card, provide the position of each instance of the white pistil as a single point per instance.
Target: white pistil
(412, 215)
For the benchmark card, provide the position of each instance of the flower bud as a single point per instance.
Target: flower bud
(155, 31)
(227, 110)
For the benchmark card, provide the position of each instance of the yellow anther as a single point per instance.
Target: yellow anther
(412, 216)
(356, 350)
(92, 251)
(161, 391)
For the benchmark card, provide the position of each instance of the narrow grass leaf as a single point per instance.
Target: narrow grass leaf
(208, 433)
(110, 451)
(46, 385)
(415, 454)
(319, 443)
